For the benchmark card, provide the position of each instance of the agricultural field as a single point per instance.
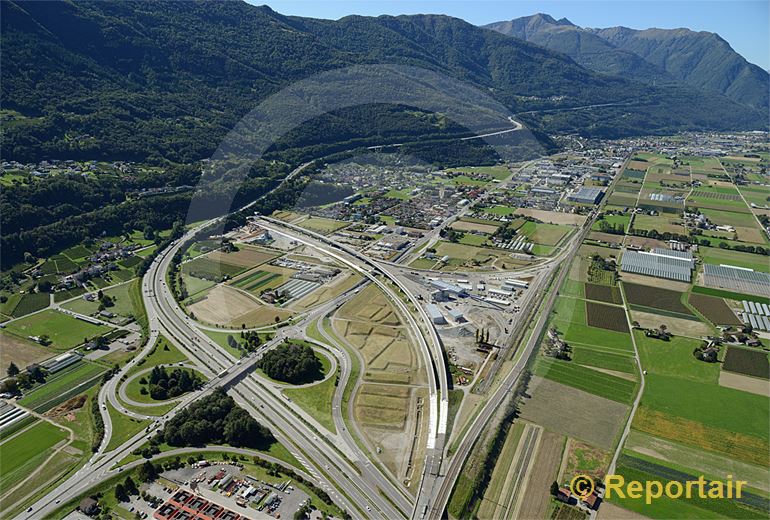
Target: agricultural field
(588, 380)
(23, 453)
(505, 480)
(229, 307)
(584, 459)
(733, 424)
(553, 217)
(322, 225)
(62, 385)
(262, 279)
(589, 356)
(544, 234)
(574, 413)
(64, 331)
(463, 225)
(713, 309)
(545, 467)
(657, 300)
(29, 303)
(697, 459)
(640, 468)
(603, 293)
(606, 317)
(752, 363)
(20, 351)
(120, 296)
(660, 223)
(209, 269)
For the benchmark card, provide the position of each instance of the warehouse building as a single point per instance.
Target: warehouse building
(435, 314)
(587, 196)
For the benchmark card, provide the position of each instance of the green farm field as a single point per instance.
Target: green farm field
(586, 379)
(65, 331)
(22, 454)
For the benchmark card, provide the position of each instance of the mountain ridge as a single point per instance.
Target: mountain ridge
(700, 59)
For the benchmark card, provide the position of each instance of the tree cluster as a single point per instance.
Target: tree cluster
(215, 419)
(166, 384)
(292, 363)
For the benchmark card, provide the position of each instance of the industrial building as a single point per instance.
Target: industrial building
(587, 196)
(660, 263)
(449, 289)
(435, 314)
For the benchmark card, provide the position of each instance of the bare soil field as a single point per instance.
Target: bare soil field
(537, 499)
(229, 307)
(676, 326)
(656, 298)
(573, 412)
(607, 238)
(651, 281)
(553, 217)
(20, 351)
(744, 383)
(246, 256)
(461, 225)
(750, 234)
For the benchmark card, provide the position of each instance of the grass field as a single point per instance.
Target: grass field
(545, 234)
(22, 454)
(586, 379)
(64, 331)
(63, 385)
(583, 334)
(123, 427)
(163, 353)
(317, 401)
(120, 296)
(322, 225)
(589, 356)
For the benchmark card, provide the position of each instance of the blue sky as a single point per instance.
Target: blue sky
(744, 24)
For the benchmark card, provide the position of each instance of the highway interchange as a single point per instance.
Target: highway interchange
(336, 463)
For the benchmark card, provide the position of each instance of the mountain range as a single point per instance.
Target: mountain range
(655, 56)
(166, 80)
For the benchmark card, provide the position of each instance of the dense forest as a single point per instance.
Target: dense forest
(215, 419)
